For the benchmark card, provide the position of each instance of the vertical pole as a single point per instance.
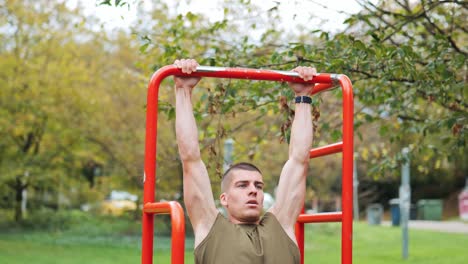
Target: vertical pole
(405, 200)
(228, 149)
(149, 175)
(347, 172)
(355, 192)
(300, 237)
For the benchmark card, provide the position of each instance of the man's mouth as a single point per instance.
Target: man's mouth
(252, 202)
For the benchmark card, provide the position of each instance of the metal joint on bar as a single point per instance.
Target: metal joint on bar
(335, 78)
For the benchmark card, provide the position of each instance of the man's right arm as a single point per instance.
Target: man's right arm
(198, 196)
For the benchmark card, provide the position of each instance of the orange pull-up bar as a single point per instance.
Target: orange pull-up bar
(324, 81)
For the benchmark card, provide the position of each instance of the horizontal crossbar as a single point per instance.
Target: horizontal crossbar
(320, 217)
(326, 150)
(158, 208)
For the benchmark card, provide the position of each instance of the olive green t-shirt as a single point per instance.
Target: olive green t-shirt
(265, 243)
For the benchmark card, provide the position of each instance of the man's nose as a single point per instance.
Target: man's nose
(252, 190)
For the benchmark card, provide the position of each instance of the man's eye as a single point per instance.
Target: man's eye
(260, 187)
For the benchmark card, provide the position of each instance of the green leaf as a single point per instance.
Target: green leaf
(450, 122)
(171, 113)
(383, 130)
(144, 47)
(336, 135)
(106, 2)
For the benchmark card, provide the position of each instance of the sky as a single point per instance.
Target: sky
(329, 13)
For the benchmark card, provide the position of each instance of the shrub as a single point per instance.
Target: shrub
(52, 220)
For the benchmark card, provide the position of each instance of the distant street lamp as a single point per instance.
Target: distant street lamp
(405, 200)
(228, 149)
(355, 191)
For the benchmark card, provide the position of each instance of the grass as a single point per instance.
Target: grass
(377, 244)
(118, 243)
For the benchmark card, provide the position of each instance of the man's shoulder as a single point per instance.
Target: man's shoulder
(269, 217)
(205, 228)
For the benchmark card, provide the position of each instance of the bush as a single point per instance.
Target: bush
(52, 220)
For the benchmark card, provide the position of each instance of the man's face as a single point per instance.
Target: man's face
(243, 197)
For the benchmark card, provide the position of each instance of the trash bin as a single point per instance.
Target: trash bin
(430, 209)
(374, 214)
(463, 203)
(395, 211)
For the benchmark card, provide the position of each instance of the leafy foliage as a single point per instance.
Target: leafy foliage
(74, 95)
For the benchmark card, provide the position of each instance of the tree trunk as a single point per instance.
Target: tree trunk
(18, 211)
(19, 187)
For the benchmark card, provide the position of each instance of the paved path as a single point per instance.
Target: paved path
(442, 226)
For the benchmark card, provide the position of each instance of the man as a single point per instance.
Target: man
(246, 236)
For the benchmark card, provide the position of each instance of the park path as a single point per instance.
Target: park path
(441, 226)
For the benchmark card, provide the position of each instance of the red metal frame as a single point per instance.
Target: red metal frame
(324, 82)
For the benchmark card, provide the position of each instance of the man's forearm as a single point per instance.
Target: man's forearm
(301, 133)
(186, 127)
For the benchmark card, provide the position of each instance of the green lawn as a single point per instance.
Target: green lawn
(371, 245)
(377, 244)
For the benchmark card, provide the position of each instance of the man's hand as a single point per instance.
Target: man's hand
(187, 66)
(306, 73)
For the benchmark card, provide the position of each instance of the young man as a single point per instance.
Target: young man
(245, 236)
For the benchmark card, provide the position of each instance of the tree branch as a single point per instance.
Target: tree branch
(440, 31)
(457, 105)
(410, 118)
(111, 153)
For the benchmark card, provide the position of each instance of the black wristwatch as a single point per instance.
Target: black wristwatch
(302, 99)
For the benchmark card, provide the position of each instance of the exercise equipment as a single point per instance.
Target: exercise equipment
(324, 81)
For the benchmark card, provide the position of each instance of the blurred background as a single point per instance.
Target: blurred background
(73, 82)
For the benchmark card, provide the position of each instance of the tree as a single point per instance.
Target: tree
(30, 61)
(413, 55)
(73, 95)
(406, 58)
(60, 90)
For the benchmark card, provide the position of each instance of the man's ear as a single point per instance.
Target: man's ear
(223, 199)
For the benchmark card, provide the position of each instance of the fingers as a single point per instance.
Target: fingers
(306, 73)
(186, 65)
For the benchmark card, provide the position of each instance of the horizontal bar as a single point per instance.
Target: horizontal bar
(320, 217)
(249, 74)
(326, 150)
(221, 69)
(157, 208)
(322, 87)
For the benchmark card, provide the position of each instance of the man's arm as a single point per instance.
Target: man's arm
(198, 196)
(290, 193)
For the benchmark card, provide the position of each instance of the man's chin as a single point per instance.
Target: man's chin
(252, 216)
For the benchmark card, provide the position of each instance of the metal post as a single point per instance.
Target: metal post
(405, 200)
(228, 148)
(355, 192)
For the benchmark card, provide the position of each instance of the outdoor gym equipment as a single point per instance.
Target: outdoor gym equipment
(324, 81)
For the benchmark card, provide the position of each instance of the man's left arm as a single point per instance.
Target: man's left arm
(291, 189)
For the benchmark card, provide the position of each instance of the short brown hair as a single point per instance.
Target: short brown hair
(239, 166)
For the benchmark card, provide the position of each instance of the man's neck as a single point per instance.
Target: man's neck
(243, 221)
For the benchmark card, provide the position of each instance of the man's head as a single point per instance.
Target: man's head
(242, 193)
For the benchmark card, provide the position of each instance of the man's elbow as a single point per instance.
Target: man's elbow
(301, 157)
(189, 155)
